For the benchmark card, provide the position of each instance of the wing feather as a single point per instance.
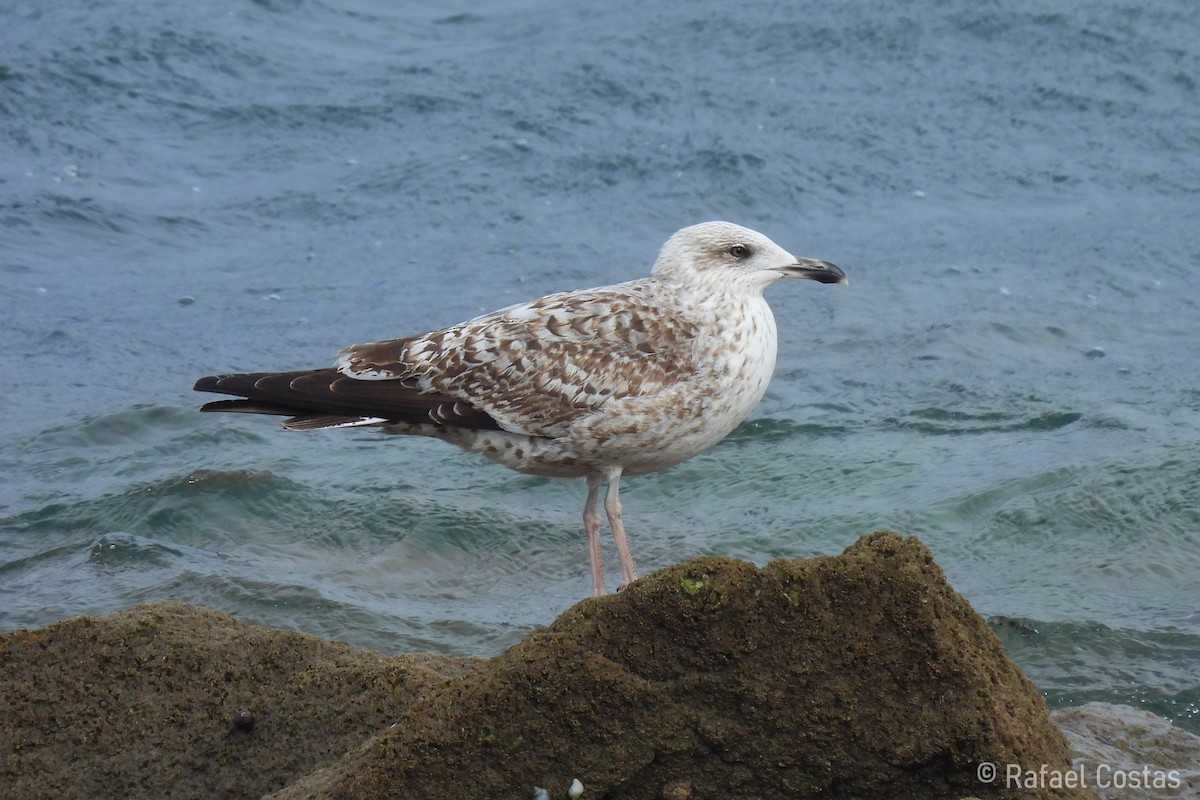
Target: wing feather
(537, 367)
(325, 398)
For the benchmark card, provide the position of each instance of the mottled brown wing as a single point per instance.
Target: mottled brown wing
(536, 367)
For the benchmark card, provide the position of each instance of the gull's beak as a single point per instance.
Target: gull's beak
(815, 270)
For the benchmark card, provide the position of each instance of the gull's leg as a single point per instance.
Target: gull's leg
(591, 526)
(612, 507)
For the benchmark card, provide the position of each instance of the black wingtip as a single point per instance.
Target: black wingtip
(251, 407)
(326, 398)
(206, 384)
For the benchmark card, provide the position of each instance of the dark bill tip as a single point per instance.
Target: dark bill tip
(816, 270)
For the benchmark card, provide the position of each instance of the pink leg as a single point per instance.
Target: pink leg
(591, 526)
(612, 507)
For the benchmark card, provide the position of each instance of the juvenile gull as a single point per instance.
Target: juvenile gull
(595, 384)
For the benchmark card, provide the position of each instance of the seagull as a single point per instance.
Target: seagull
(597, 383)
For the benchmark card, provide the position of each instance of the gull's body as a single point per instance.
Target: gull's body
(596, 383)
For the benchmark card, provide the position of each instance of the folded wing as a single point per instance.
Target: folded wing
(532, 368)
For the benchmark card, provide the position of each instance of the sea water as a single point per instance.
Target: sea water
(1011, 374)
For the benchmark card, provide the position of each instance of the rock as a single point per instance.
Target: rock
(1129, 754)
(143, 703)
(856, 676)
(861, 675)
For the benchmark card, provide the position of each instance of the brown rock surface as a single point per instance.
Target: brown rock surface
(862, 675)
(140, 704)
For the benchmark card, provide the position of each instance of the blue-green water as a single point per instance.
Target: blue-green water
(1011, 374)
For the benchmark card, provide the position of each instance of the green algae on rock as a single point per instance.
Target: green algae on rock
(142, 704)
(859, 675)
(862, 675)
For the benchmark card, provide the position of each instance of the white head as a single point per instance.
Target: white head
(734, 256)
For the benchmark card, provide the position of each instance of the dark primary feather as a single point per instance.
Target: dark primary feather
(325, 398)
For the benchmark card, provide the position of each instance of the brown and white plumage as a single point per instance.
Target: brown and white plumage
(597, 383)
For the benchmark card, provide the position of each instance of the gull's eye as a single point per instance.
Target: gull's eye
(740, 251)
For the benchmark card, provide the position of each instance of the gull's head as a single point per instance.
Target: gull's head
(724, 253)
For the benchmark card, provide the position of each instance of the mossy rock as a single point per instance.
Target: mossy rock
(860, 675)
